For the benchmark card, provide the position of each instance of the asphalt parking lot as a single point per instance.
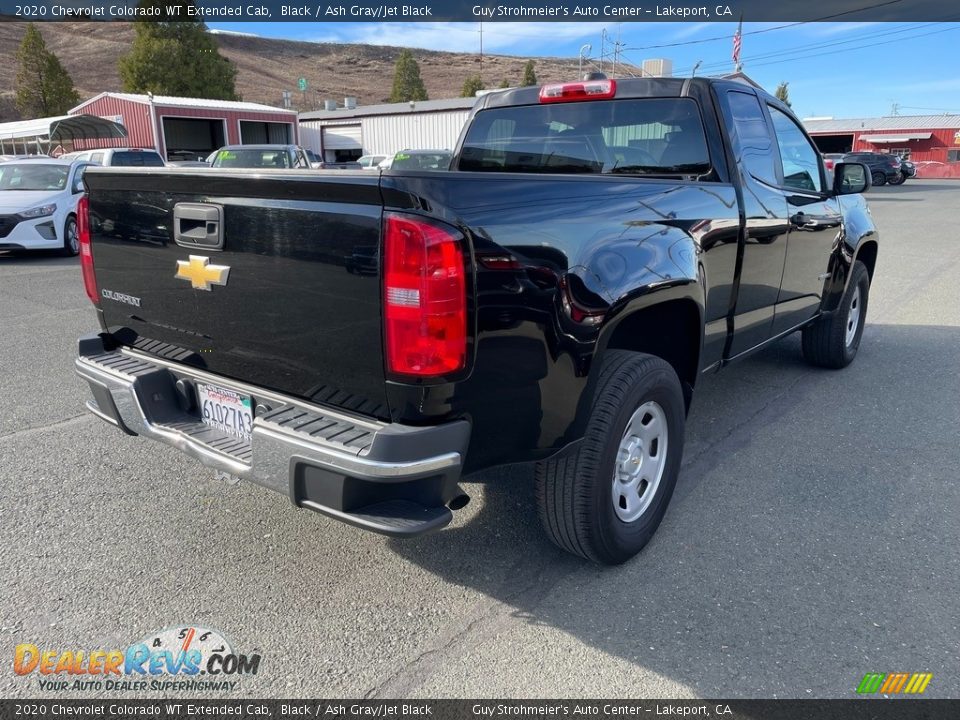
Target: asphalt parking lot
(813, 536)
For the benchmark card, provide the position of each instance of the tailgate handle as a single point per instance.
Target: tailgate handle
(198, 225)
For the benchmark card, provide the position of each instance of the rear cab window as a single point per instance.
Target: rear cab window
(128, 158)
(640, 137)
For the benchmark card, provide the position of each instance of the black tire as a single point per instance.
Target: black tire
(575, 492)
(878, 178)
(900, 179)
(826, 342)
(71, 241)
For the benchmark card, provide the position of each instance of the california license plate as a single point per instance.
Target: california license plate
(226, 410)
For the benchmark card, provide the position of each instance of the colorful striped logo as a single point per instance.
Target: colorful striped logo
(893, 683)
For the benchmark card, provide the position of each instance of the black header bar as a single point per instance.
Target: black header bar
(481, 10)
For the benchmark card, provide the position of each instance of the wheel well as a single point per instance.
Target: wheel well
(671, 331)
(867, 254)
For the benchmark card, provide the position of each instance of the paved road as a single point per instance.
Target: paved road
(813, 536)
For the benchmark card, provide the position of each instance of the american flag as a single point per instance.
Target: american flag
(737, 42)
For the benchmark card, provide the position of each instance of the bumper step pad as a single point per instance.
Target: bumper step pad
(397, 518)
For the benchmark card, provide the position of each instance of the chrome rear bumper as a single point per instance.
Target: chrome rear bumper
(386, 477)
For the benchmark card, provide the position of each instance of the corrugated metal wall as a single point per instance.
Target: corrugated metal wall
(135, 117)
(385, 134)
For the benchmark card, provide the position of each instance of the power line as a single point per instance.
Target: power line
(942, 110)
(801, 53)
(822, 45)
(765, 30)
(861, 47)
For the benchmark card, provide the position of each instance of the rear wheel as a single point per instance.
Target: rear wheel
(833, 341)
(879, 178)
(899, 179)
(71, 240)
(605, 500)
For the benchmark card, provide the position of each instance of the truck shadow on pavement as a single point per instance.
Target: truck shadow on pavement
(803, 544)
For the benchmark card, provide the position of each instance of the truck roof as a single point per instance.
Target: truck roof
(627, 88)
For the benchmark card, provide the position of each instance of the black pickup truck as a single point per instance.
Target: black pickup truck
(595, 247)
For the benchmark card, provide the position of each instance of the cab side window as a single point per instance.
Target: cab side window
(752, 140)
(801, 161)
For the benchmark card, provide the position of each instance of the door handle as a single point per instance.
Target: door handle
(800, 220)
(198, 225)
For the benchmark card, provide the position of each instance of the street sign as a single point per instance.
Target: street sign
(302, 84)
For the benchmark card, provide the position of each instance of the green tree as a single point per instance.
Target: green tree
(173, 57)
(43, 86)
(529, 76)
(471, 85)
(407, 83)
(504, 84)
(783, 93)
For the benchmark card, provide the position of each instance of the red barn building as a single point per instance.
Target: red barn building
(181, 128)
(932, 142)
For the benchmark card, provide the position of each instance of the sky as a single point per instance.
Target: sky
(843, 70)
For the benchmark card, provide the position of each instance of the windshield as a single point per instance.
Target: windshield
(249, 158)
(33, 177)
(651, 136)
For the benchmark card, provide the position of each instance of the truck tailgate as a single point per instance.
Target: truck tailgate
(290, 300)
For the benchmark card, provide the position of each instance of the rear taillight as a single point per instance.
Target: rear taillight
(425, 298)
(573, 92)
(86, 251)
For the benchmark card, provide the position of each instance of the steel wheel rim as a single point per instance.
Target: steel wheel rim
(72, 241)
(640, 463)
(853, 316)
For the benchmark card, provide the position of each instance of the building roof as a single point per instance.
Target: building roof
(894, 122)
(166, 100)
(419, 106)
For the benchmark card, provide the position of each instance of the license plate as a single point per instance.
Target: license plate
(226, 410)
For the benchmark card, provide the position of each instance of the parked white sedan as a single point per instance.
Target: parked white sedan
(38, 205)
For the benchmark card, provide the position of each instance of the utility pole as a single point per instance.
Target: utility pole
(481, 51)
(603, 37)
(616, 50)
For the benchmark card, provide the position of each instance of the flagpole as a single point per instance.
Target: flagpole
(737, 44)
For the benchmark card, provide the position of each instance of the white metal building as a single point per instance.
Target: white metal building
(346, 134)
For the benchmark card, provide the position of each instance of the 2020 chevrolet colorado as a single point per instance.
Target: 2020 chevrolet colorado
(594, 249)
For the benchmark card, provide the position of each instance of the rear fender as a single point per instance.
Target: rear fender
(665, 321)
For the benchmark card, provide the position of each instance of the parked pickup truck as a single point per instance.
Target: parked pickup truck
(596, 247)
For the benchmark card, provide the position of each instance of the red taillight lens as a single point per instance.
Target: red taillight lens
(86, 251)
(425, 298)
(572, 92)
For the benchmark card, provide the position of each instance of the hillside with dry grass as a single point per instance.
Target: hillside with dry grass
(267, 67)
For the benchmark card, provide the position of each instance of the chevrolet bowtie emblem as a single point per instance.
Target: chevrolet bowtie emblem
(201, 273)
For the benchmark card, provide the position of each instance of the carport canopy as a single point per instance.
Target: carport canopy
(43, 133)
(901, 137)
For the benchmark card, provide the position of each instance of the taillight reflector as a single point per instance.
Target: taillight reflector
(425, 298)
(86, 250)
(573, 92)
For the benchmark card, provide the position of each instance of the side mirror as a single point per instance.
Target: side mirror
(850, 178)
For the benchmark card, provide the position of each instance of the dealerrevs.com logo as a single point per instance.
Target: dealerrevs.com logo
(185, 657)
